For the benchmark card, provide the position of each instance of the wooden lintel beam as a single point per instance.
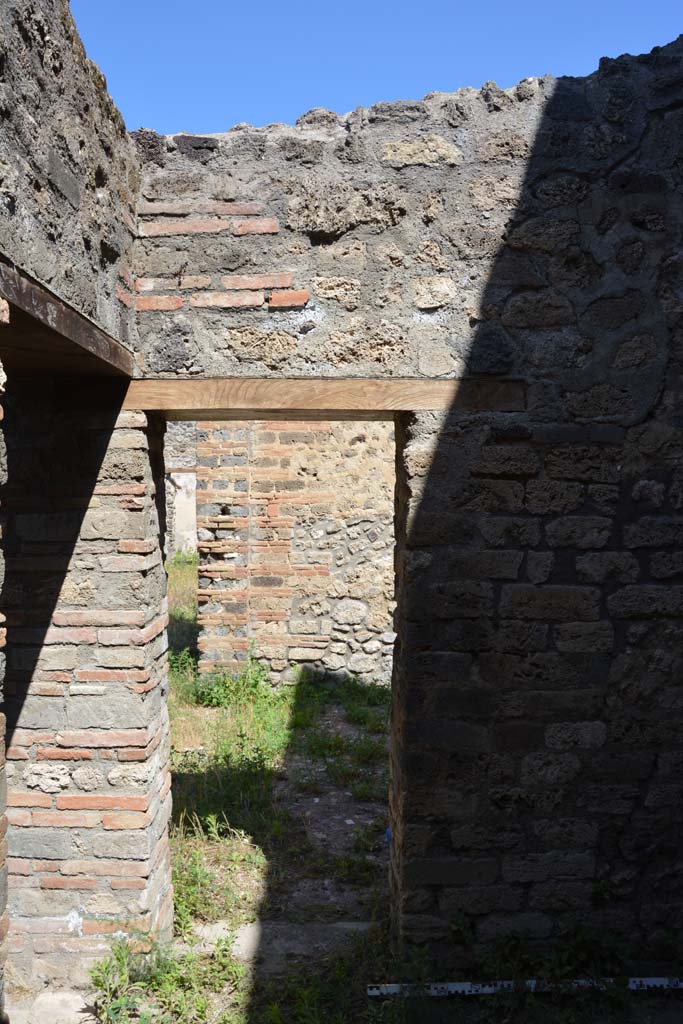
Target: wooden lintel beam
(59, 317)
(308, 398)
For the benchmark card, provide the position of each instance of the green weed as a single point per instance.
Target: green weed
(370, 837)
(250, 685)
(193, 890)
(162, 988)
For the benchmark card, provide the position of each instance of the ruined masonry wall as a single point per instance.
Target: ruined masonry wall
(533, 233)
(346, 245)
(88, 744)
(68, 171)
(4, 913)
(296, 546)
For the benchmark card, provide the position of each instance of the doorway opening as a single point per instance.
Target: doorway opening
(280, 685)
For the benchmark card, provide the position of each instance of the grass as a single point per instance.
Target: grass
(182, 625)
(235, 847)
(162, 988)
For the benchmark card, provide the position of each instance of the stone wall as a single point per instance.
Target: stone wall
(4, 914)
(68, 171)
(538, 734)
(534, 232)
(296, 546)
(180, 461)
(88, 744)
(354, 245)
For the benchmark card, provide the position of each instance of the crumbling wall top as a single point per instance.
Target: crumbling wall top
(466, 232)
(68, 170)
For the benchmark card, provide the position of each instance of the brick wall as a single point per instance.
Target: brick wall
(88, 773)
(296, 545)
(532, 232)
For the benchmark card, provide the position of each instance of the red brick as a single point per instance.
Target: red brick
(151, 303)
(189, 226)
(64, 819)
(117, 489)
(29, 800)
(56, 635)
(257, 281)
(289, 299)
(52, 677)
(18, 816)
(127, 883)
(17, 754)
(126, 277)
(138, 547)
(68, 883)
(45, 867)
(103, 738)
(155, 284)
(126, 819)
(125, 297)
(106, 868)
(112, 675)
(228, 300)
(256, 226)
(100, 927)
(102, 802)
(56, 754)
(96, 617)
(195, 281)
(125, 637)
(85, 947)
(211, 226)
(19, 866)
(46, 690)
(134, 754)
(27, 737)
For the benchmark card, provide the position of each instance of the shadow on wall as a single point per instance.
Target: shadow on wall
(536, 724)
(536, 719)
(56, 447)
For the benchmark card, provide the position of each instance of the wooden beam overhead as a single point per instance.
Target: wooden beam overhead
(45, 334)
(323, 398)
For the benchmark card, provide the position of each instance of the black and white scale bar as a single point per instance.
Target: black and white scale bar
(473, 988)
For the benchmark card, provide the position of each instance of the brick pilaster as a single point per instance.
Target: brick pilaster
(89, 779)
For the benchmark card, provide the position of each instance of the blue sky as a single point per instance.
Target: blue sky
(201, 66)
